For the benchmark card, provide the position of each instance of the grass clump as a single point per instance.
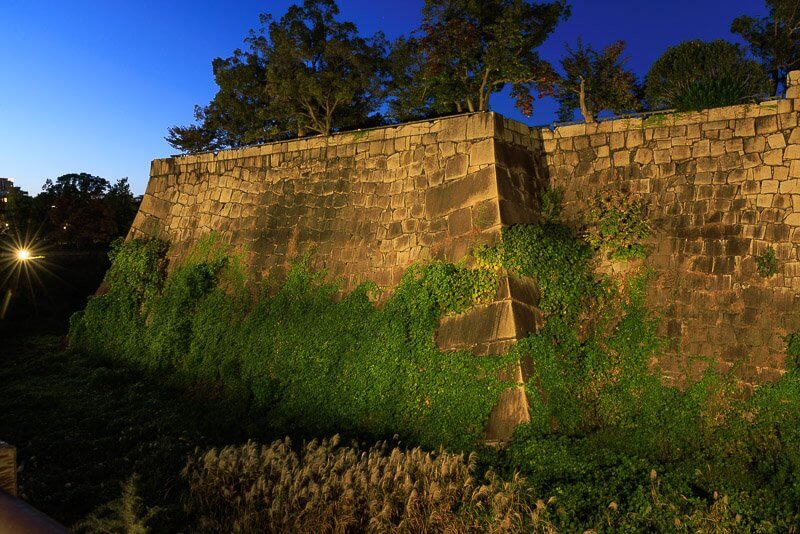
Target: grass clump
(327, 487)
(126, 514)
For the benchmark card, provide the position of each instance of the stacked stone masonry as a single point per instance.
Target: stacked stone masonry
(367, 205)
(721, 186)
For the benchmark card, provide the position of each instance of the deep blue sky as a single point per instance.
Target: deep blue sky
(92, 86)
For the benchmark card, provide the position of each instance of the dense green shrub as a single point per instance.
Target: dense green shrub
(609, 446)
(696, 75)
(708, 93)
(324, 364)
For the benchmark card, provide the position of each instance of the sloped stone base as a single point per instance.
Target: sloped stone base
(492, 329)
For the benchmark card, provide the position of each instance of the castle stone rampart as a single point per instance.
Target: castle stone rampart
(368, 203)
(721, 187)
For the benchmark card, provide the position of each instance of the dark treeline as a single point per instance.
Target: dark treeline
(74, 211)
(67, 230)
(309, 72)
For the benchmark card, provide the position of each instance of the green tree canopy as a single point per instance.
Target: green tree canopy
(87, 210)
(306, 72)
(697, 75)
(595, 81)
(239, 113)
(76, 210)
(774, 39)
(321, 75)
(18, 209)
(466, 50)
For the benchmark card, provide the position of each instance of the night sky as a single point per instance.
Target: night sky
(92, 86)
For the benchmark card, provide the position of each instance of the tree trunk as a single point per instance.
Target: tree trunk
(328, 124)
(587, 115)
(483, 92)
(470, 107)
(485, 101)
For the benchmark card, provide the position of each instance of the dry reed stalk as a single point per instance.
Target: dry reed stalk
(329, 488)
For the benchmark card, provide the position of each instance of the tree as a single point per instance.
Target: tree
(697, 75)
(239, 113)
(122, 205)
(595, 81)
(306, 72)
(19, 210)
(467, 50)
(320, 74)
(774, 39)
(86, 210)
(411, 98)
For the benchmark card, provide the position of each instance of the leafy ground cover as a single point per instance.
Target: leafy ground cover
(163, 363)
(82, 427)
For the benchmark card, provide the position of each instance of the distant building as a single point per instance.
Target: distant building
(6, 187)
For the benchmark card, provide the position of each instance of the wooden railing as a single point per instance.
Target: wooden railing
(17, 516)
(8, 468)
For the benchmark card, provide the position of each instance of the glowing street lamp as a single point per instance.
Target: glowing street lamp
(24, 254)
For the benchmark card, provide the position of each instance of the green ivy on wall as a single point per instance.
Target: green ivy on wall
(605, 430)
(767, 263)
(322, 364)
(617, 223)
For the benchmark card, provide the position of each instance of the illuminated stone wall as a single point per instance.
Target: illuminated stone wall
(721, 187)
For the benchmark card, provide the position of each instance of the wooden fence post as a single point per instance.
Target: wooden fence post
(8, 468)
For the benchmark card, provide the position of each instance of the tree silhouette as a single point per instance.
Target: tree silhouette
(595, 81)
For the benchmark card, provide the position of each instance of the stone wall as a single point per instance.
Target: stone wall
(367, 204)
(722, 185)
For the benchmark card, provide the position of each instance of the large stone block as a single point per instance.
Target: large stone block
(480, 125)
(453, 129)
(472, 189)
(482, 153)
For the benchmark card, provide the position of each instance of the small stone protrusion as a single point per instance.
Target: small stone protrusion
(793, 84)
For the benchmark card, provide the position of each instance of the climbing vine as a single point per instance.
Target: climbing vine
(317, 362)
(609, 445)
(767, 263)
(617, 223)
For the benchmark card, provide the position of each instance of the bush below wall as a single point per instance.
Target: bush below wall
(323, 364)
(609, 446)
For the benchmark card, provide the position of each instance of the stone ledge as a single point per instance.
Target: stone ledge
(464, 127)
